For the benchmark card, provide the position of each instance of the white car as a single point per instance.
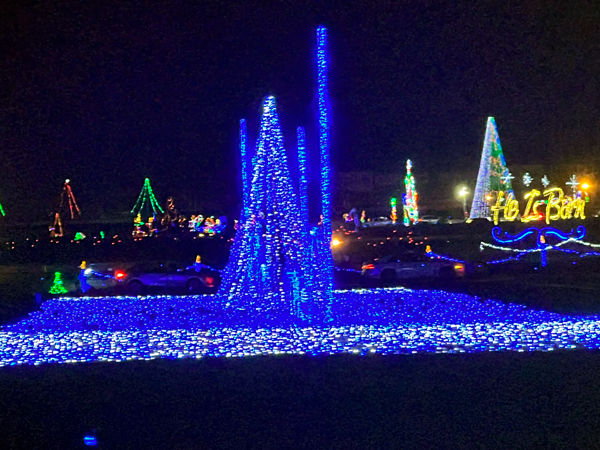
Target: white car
(411, 266)
(103, 276)
(379, 222)
(195, 279)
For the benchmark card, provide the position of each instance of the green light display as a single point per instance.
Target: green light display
(58, 286)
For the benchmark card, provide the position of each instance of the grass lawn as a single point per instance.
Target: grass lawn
(486, 400)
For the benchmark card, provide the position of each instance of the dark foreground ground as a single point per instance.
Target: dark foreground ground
(489, 400)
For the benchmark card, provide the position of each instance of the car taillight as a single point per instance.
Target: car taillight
(368, 267)
(459, 267)
(119, 274)
(210, 281)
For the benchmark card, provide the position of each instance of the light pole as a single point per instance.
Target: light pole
(463, 194)
(585, 187)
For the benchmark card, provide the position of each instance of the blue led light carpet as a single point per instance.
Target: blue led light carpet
(384, 321)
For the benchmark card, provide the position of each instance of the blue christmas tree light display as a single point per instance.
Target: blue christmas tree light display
(277, 268)
(268, 271)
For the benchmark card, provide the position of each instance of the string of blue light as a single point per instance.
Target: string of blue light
(393, 320)
(245, 174)
(322, 67)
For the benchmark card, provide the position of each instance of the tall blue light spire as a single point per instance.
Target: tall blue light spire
(245, 174)
(324, 123)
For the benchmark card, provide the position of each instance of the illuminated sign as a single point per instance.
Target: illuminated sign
(557, 206)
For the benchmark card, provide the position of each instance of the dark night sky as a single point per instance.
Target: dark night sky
(108, 94)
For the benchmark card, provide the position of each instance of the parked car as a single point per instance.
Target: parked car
(195, 279)
(137, 278)
(102, 276)
(429, 219)
(450, 220)
(411, 266)
(379, 222)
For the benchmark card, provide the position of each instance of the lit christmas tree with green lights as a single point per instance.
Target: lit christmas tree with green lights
(146, 205)
(58, 287)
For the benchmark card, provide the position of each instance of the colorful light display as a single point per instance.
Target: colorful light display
(558, 206)
(493, 175)
(68, 202)
(411, 210)
(82, 277)
(171, 216)
(146, 204)
(58, 286)
(195, 222)
(56, 229)
(394, 214)
(277, 274)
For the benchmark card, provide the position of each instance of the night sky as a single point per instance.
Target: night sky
(108, 94)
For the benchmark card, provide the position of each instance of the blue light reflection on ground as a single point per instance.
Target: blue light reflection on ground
(382, 321)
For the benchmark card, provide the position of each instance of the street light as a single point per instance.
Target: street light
(585, 187)
(463, 194)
